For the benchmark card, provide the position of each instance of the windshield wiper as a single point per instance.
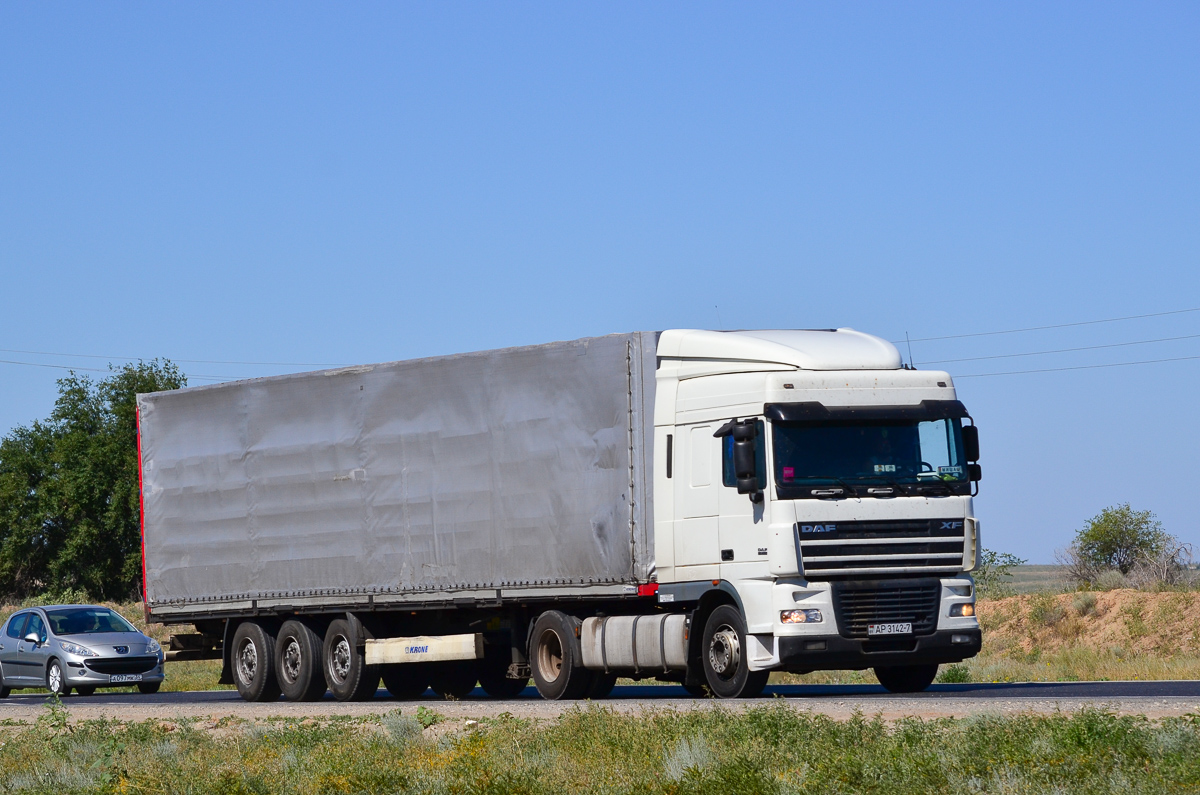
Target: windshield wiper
(929, 486)
(894, 487)
(846, 488)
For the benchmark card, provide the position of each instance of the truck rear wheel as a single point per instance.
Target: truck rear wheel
(346, 672)
(557, 659)
(602, 685)
(453, 679)
(724, 656)
(253, 663)
(298, 662)
(906, 678)
(407, 681)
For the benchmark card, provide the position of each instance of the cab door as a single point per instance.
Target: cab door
(697, 487)
(742, 526)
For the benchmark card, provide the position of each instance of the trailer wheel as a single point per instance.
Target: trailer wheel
(723, 654)
(493, 678)
(253, 663)
(298, 662)
(557, 659)
(407, 681)
(906, 678)
(346, 672)
(453, 679)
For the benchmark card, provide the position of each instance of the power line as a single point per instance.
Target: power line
(1044, 328)
(1079, 367)
(181, 361)
(1061, 350)
(99, 370)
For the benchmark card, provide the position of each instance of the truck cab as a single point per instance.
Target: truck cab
(825, 489)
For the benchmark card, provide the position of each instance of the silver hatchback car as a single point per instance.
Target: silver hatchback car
(81, 647)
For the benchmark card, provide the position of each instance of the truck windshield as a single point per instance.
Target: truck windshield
(909, 456)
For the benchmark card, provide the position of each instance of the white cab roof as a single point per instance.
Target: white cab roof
(840, 349)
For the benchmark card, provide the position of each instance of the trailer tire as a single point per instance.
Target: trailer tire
(906, 678)
(453, 679)
(298, 662)
(493, 678)
(346, 672)
(556, 657)
(724, 657)
(253, 663)
(407, 681)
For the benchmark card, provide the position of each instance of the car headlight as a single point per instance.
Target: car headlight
(152, 646)
(77, 650)
(800, 616)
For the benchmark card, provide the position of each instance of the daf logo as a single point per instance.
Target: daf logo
(818, 528)
(952, 525)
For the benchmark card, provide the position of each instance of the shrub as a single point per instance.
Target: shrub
(957, 674)
(1084, 604)
(1046, 610)
(1111, 580)
(993, 576)
(1128, 543)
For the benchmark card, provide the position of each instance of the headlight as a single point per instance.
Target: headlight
(959, 590)
(962, 610)
(152, 646)
(800, 616)
(78, 651)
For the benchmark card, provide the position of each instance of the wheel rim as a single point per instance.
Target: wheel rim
(725, 652)
(247, 662)
(292, 661)
(339, 660)
(55, 678)
(550, 655)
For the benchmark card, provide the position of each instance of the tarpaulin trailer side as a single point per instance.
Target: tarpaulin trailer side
(500, 473)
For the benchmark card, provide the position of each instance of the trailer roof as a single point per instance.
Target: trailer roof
(823, 349)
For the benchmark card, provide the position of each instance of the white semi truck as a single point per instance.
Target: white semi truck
(702, 507)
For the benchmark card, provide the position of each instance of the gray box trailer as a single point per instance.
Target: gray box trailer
(493, 475)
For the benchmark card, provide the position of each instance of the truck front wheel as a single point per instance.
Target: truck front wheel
(906, 678)
(298, 662)
(346, 672)
(557, 659)
(253, 663)
(725, 659)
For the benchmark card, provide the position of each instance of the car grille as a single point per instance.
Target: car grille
(887, 602)
(123, 665)
(907, 546)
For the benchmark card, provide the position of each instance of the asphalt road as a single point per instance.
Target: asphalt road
(1155, 699)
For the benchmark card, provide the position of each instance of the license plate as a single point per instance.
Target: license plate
(904, 628)
(125, 678)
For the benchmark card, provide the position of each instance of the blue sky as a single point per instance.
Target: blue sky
(321, 183)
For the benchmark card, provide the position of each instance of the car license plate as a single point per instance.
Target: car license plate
(125, 678)
(904, 628)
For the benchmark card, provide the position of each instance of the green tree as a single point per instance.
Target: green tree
(69, 508)
(993, 577)
(1120, 537)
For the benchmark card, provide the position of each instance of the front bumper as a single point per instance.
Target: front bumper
(77, 674)
(801, 654)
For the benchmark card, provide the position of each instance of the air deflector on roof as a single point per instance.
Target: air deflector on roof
(812, 411)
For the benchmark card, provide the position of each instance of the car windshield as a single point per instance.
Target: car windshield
(868, 453)
(86, 621)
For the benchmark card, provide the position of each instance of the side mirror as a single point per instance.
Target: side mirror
(745, 456)
(970, 437)
(33, 638)
(974, 473)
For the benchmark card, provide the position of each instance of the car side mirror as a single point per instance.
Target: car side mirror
(970, 437)
(33, 638)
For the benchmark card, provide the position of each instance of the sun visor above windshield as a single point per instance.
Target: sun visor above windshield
(812, 410)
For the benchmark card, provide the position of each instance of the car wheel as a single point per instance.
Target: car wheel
(724, 656)
(906, 678)
(298, 663)
(346, 672)
(86, 690)
(557, 659)
(56, 683)
(148, 688)
(252, 660)
(407, 681)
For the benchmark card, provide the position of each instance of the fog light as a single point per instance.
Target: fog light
(964, 610)
(960, 638)
(800, 616)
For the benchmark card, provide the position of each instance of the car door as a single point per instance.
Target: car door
(37, 655)
(11, 656)
(697, 553)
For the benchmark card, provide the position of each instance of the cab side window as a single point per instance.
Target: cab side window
(17, 625)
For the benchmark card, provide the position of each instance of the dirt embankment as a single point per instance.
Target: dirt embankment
(1161, 624)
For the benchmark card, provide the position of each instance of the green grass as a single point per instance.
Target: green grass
(773, 749)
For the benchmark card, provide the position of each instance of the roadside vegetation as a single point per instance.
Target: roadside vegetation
(773, 749)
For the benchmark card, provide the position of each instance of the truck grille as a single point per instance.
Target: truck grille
(123, 665)
(860, 604)
(906, 546)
